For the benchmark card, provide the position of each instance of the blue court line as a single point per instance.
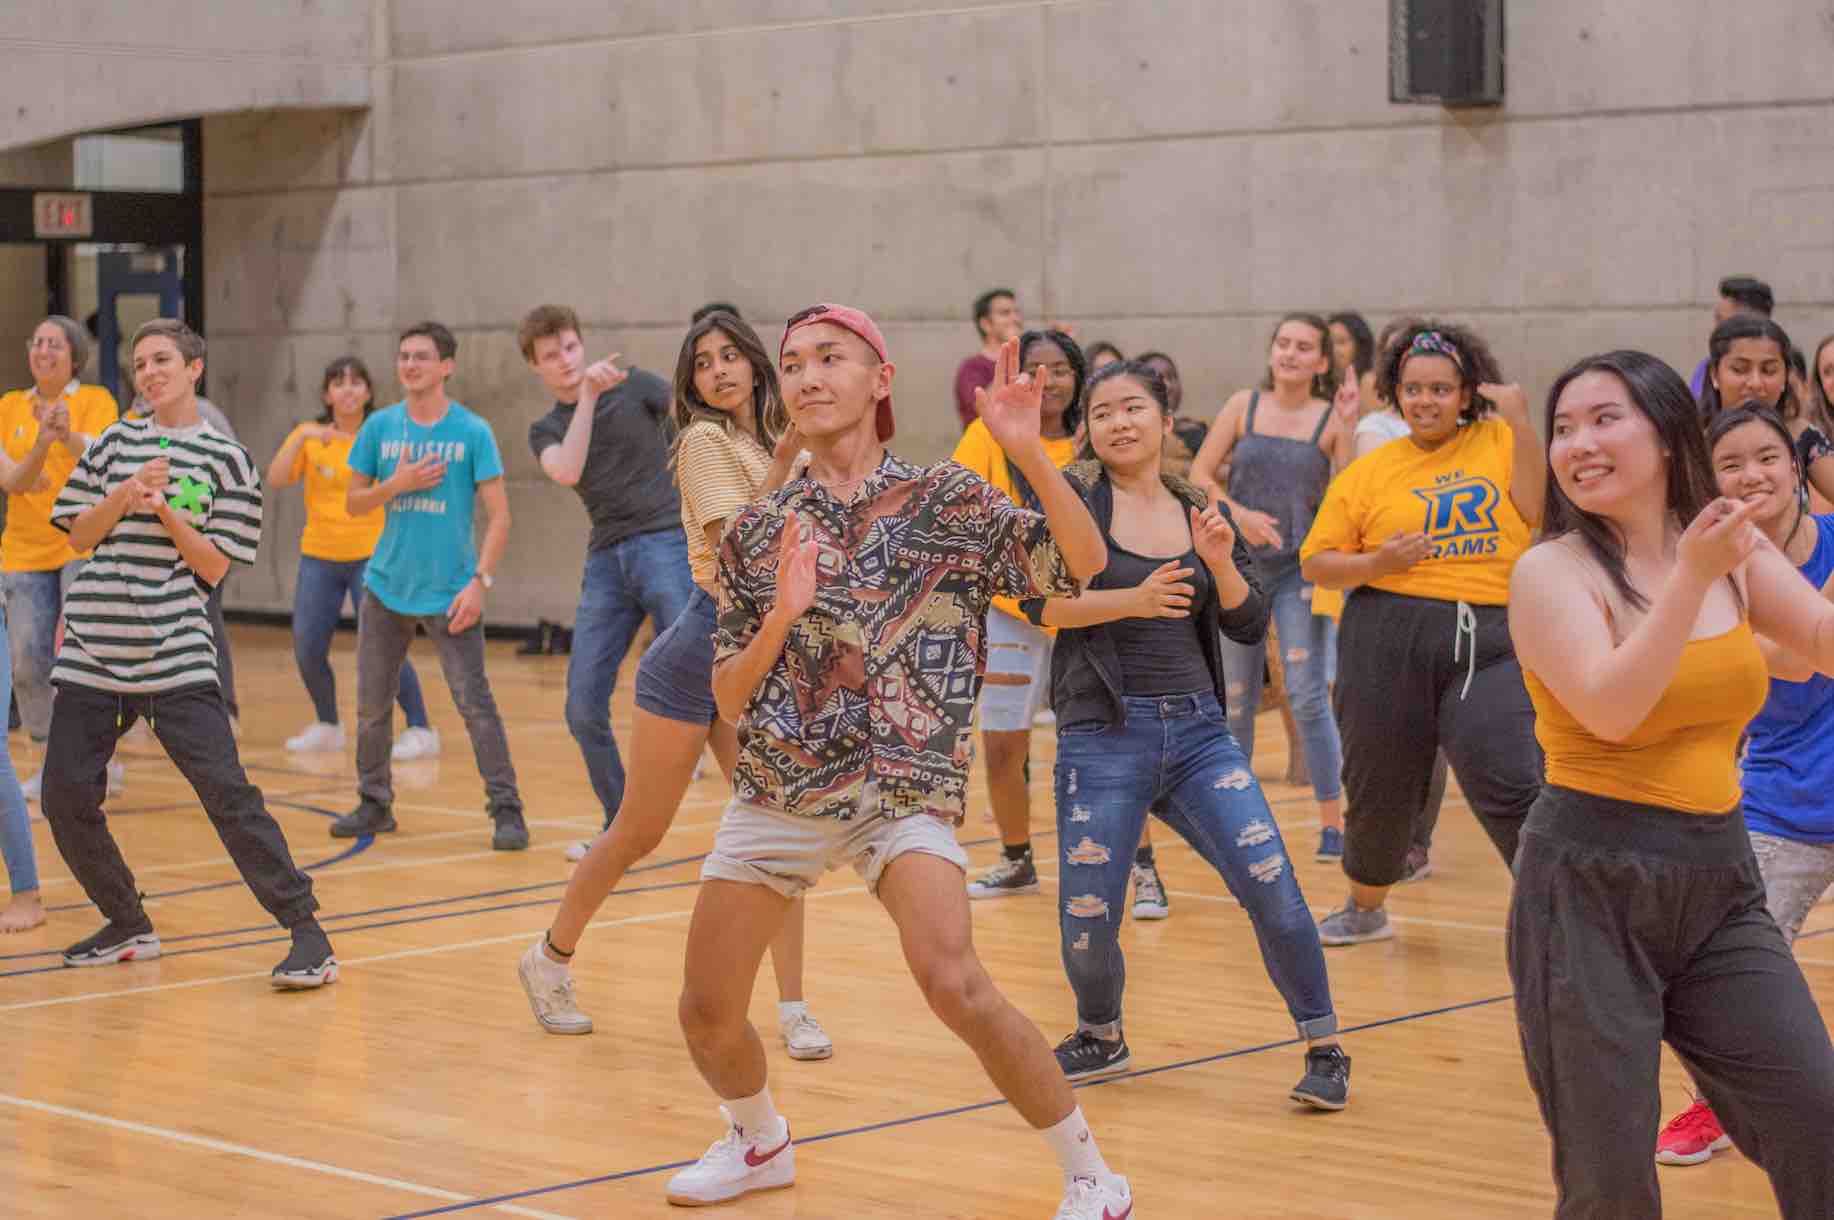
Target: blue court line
(386, 910)
(286, 938)
(357, 848)
(952, 1112)
(407, 906)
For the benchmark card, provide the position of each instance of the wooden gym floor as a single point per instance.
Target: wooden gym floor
(420, 1085)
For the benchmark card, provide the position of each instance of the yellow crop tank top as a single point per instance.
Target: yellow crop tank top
(1685, 753)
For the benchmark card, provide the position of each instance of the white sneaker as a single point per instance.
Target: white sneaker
(549, 987)
(805, 1037)
(416, 743)
(737, 1164)
(117, 777)
(318, 738)
(1109, 1198)
(34, 787)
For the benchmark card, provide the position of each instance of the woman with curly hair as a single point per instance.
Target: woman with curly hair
(1425, 531)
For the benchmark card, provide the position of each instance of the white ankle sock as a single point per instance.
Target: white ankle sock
(789, 1010)
(1074, 1145)
(756, 1115)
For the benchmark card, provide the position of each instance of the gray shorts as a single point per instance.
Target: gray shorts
(1796, 875)
(758, 846)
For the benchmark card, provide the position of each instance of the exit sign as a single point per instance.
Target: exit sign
(62, 215)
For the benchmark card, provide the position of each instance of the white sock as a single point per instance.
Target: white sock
(1107, 1033)
(1074, 1145)
(548, 963)
(756, 1115)
(790, 1010)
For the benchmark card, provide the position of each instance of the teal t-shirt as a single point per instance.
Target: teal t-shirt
(426, 555)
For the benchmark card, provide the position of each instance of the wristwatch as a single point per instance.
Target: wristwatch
(485, 579)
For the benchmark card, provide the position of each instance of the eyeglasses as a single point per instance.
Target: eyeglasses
(47, 343)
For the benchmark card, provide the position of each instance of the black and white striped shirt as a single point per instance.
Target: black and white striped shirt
(134, 619)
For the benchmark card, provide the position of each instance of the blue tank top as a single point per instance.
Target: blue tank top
(1789, 761)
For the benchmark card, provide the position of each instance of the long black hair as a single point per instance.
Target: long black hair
(1751, 411)
(1362, 339)
(1079, 368)
(1659, 394)
(1745, 326)
(766, 397)
(336, 369)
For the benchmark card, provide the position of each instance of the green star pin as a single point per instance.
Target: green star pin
(193, 497)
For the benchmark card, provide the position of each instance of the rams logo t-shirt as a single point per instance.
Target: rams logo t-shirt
(1458, 495)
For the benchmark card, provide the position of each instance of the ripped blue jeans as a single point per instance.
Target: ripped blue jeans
(1175, 752)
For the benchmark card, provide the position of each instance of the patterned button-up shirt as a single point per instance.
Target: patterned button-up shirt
(877, 681)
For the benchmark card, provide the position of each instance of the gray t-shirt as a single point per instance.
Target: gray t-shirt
(626, 486)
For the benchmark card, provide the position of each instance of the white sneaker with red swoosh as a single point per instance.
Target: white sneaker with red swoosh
(1108, 1198)
(738, 1163)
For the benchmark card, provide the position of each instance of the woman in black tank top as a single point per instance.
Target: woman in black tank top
(1281, 445)
(1136, 681)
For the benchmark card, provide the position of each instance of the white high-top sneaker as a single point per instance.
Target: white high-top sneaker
(737, 1164)
(1108, 1198)
(317, 738)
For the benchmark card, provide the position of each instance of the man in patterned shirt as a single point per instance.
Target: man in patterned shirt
(853, 609)
(168, 503)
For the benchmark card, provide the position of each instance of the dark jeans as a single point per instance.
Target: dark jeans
(1401, 696)
(643, 576)
(1632, 925)
(383, 638)
(194, 729)
(318, 601)
(1174, 753)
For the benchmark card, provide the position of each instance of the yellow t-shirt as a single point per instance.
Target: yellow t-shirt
(30, 542)
(1458, 494)
(719, 473)
(979, 452)
(332, 534)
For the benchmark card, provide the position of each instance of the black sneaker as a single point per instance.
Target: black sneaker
(1006, 878)
(368, 818)
(115, 944)
(1326, 1083)
(309, 963)
(511, 834)
(1083, 1056)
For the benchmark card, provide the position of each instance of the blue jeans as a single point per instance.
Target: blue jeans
(15, 823)
(1307, 642)
(33, 602)
(1174, 753)
(643, 576)
(318, 603)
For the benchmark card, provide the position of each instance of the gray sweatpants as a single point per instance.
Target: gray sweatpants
(383, 638)
(1631, 926)
(1796, 875)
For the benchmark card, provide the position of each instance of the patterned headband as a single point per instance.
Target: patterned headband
(1432, 343)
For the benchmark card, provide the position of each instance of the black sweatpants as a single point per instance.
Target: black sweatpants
(193, 727)
(1401, 697)
(1632, 925)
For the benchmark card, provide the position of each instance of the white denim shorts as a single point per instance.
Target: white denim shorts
(759, 846)
(1017, 649)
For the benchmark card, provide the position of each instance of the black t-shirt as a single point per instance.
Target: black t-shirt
(626, 485)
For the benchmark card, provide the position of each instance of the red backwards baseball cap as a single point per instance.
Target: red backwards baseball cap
(855, 320)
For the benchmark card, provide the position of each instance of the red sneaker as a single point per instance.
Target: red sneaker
(1691, 1137)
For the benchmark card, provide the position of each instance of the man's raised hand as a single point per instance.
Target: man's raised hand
(1010, 406)
(798, 556)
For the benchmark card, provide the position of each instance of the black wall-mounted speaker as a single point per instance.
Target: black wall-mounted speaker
(1447, 52)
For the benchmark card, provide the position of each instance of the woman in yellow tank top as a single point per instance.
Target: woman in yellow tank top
(1638, 915)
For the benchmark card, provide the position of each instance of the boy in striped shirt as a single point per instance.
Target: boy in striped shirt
(168, 503)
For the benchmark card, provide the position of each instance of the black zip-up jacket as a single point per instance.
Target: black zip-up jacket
(1085, 665)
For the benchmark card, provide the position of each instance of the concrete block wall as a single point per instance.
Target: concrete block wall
(1165, 173)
